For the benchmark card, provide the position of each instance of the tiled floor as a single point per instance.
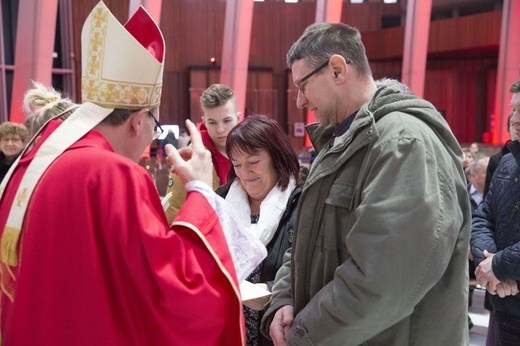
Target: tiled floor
(480, 318)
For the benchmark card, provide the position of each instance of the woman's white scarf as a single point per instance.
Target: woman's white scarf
(271, 209)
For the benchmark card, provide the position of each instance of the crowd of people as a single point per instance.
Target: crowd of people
(371, 245)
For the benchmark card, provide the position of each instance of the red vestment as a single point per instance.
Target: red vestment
(98, 264)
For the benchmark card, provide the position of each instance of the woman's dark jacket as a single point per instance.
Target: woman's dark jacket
(496, 228)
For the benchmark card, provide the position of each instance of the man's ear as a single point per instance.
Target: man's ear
(136, 120)
(239, 116)
(339, 67)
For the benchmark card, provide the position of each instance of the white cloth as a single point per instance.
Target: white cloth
(271, 209)
(247, 252)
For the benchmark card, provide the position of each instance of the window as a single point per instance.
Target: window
(62, 67)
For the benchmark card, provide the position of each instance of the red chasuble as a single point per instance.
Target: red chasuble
(98, 264)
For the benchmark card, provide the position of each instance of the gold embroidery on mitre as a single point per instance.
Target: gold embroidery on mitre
(109, 93)
(22, 197)
(156, 95)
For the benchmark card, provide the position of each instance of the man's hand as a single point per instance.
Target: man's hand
(193, 163)
(507, 288)
(282, 321)
(484, 274)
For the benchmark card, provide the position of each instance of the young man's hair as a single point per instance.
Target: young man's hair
(217, 95)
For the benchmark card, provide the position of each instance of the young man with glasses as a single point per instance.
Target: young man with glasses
(381, 241)
(12, 140)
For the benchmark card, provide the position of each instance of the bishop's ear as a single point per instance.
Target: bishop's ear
(138, 119)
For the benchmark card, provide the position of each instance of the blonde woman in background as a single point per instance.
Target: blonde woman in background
(42, 103)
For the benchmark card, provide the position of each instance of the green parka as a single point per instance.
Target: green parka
(380, 253)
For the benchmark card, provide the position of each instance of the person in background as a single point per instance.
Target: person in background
(87, 256)
(475, 149)
(380, 255)
(494, 160)
(495, 237)
(13, 137)
(476, 173)
(170, 139)
(469, 157)
(41, 103)
(264, 186)
(219, 106)
(184, 139)
(477, 180)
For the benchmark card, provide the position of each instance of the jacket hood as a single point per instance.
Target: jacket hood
(393, 96)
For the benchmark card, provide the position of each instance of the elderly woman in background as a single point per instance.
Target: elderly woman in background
(12, 141)
(263, 186)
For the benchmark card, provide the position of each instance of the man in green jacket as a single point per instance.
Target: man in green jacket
(380, 255)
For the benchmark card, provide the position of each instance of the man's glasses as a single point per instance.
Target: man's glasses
(299, 83)
(158, 128)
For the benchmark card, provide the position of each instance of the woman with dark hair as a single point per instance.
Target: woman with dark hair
(264, 187)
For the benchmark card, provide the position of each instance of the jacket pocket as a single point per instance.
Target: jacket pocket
(341, 195)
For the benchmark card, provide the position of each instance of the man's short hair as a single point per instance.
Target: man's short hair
(217, 95)
(509, 119)
(119, 116)
(474, 166)
(515, 88)
(322, 40)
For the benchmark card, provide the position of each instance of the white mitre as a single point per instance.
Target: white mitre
(122, 67)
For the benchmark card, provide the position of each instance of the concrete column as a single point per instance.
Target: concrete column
(416, 36)
(329, 11)
(34, 49)
(235, 51)
(508, 69)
